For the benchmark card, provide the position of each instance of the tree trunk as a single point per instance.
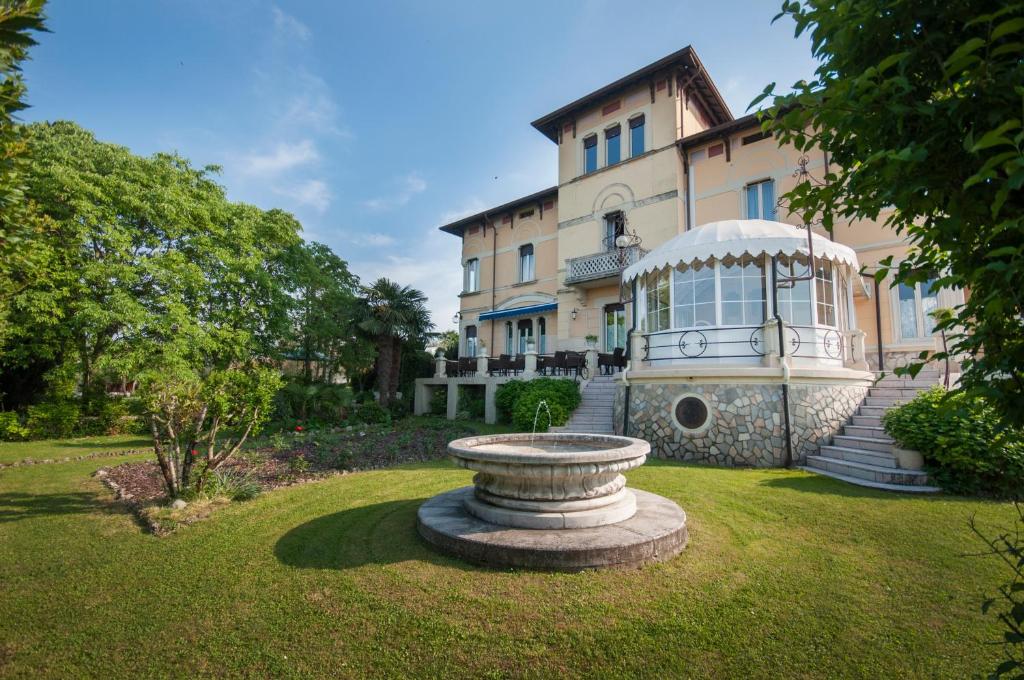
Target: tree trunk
(384, 360)
(396, 369)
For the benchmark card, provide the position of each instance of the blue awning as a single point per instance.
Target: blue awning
(519, 311)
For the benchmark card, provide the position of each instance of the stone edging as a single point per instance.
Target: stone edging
(73, 459)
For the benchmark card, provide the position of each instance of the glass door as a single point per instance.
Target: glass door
(614, 327)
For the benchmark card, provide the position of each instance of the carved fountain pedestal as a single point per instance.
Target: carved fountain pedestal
(552, 501)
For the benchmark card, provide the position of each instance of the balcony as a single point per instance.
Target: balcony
(604, 265)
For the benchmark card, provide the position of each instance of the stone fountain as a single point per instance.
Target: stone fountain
(552, 501)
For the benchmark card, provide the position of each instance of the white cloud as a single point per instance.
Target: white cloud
(409, 186)
(283, 157)
(438, 276)
(288, 27)
(375, 240)
(312, 193)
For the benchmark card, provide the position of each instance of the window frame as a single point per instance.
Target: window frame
(471, 276)
(586, 146)
(642, 117)
(759, 193)
(612, 132)
(530, 258)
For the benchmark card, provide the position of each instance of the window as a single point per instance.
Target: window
(525, 333)
(612, 145)
(614, 227)
(636, 135)
(542, 336)
(794, 298)
(824, 291)
(694, 291)
(590, 154)
(743, 292)
(658, 301)
(761, 200)
(471, 344)
(471, 276)
(526, 263)
(916, 304)
(614, 327)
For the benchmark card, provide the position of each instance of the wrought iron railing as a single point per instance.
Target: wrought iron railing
(746, 343)
(601, 265)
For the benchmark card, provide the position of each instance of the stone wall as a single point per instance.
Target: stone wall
(744, 426)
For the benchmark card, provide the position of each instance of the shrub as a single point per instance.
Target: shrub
(562, 397)
(966, 449)
(471, 402)
(525, 413)
(52, 420)
(11, 429)
(505, 398)
(439, 401)
(233, 484)
(371, 413)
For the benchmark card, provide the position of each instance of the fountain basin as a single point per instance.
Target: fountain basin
(554, 501)
(550, 481)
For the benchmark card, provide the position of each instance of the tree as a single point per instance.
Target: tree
(149, 258)
(448, 343)
(919, 108)
(19, 220)
(323, 313)
(199, 421)
(391, 314)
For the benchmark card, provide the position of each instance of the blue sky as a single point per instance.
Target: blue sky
(376, 122)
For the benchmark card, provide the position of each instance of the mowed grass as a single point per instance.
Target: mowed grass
(786, 575)
(12, 452)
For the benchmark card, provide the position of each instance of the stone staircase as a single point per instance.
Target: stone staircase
(864, 454)
(594, 414)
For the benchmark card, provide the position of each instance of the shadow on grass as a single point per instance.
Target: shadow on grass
(383, 533)
(101, 445)
(826, 485)
(19, 506)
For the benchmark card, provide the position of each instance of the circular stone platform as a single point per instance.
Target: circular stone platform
(656, 532)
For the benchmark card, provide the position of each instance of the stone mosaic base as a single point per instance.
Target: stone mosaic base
(746, 420)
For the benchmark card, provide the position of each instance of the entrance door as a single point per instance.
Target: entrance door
(525, 332)
(614, 327)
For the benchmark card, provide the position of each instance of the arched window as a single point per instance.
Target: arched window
(636, 135)
(542, 335)
(526, 268)
(590, 154)
(509, 343)
(525, 333)
(612, 144)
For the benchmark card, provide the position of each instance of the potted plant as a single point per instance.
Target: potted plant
(591, 340)
(530, 344)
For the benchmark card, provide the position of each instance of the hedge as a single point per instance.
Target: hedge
(966, 449)
(517, 400)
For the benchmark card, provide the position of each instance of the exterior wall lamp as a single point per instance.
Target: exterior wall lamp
(574, 313)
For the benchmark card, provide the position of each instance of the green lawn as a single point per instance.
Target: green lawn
(11, 452)
(786, 575)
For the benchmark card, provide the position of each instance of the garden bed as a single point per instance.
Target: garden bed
(280, 460)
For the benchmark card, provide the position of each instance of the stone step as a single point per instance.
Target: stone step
(878, 411)
(884, 401)
(865, 443)
(872, 431)
(866, 421)
(873, 473)
(902, 488)
(898, 392)
(905, 383)
(886, 460)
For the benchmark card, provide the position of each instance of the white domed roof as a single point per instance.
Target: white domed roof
(717, 240)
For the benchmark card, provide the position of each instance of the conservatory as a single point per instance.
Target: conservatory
(745, 348)
(713, 295)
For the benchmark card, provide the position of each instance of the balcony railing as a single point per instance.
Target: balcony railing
(601, 265)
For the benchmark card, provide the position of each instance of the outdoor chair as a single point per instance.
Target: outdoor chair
(619, 358)
(451, 368)
(558, 363)
(467, 366)
(545, 363)
(519, 364)
(606, 363)
(574, 363)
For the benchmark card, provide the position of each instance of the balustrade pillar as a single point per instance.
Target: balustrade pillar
(530, 364)
(439, 366)
(858, 356)
(481, 362)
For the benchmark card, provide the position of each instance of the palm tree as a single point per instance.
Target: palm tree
(392, 314)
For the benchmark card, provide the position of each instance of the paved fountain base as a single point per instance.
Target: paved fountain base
(552, 501)
(655, 532)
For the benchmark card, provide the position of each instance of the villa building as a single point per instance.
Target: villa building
(654, 165)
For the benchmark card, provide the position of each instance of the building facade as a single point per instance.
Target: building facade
(642, 162)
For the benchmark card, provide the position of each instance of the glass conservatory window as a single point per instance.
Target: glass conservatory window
(658, 306)
(743, 293)
(694, 291)
(825, 293)
(795, 300)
